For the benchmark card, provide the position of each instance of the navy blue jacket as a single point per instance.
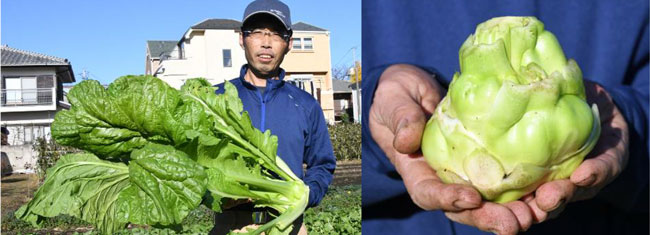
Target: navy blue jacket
(609, 41)
(297, 119)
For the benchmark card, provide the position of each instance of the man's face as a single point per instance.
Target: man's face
(264, 51)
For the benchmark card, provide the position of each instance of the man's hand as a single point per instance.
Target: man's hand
(405, 97)
(602, 165)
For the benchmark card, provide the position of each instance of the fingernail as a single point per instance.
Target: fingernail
(401, 124)
(463, 204)
(587, 181)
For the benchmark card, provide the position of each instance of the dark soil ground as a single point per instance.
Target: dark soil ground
(17, 189)
(347, 173)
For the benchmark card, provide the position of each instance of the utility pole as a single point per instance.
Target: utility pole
(84, 75)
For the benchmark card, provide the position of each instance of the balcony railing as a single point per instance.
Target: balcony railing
(24, 97)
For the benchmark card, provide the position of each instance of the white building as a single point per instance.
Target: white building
(32, 93)
(209, 49)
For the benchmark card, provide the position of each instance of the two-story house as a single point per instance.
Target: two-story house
(210, 49)
(32, 93)
(308, 64)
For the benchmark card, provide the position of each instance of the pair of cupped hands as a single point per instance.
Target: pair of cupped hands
(405, 98)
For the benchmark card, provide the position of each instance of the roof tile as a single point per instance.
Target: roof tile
(15, 57)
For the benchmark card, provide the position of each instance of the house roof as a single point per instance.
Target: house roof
(302, 26)
(341, 86)
(235, 24)
(156, 48)
(218, 24)
(160, 48)
(15, 57)
(12, 57)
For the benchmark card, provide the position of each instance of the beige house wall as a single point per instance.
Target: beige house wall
(316, 62)
(152, 65)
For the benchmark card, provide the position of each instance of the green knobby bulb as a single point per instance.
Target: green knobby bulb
(515, 116)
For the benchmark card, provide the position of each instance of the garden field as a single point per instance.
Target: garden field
(338, 213)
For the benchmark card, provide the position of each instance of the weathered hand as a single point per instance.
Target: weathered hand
(508, 218)
(602, 165)
(405, 97)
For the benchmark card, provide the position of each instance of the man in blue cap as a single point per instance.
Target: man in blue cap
(289, 112)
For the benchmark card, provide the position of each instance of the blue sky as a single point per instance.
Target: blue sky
(108, 38)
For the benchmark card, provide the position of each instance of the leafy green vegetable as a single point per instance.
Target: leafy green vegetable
(155, 153)
(338, 213)
(515, 116)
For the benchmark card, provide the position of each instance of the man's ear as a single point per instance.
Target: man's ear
(241, 40)
(289, 45)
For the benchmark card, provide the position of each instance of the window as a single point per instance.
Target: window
(307, 44)
(296, 44)
(13, 93)
(27, 134)
(227, 59)
(29, 89)
(302, 44)
(20, 90)
(303, 81)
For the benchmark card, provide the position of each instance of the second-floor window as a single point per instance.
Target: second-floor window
(302, 44)
(307, 44)
(296, 44)
(27, 90)
(227, 58)
(20, 89)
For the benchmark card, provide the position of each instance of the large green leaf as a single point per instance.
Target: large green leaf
(112, 122)
(83, 186)
(165, 186)
(225, 110)
(160, 186)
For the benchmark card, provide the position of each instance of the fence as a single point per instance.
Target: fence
(20, 97)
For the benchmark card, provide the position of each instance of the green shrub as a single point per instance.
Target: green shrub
(48, 152)
(346, 140)
(338, 213)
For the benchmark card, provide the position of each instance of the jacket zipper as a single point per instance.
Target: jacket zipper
(263, 99)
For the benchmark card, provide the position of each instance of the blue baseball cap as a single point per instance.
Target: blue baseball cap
(271, 7)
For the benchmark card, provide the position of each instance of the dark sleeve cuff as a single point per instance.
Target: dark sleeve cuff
(629, 191)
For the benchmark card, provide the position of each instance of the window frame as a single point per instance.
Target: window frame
(301, 45)
(19, 94)
(223, 58)
(293, 45)
(311, 39)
